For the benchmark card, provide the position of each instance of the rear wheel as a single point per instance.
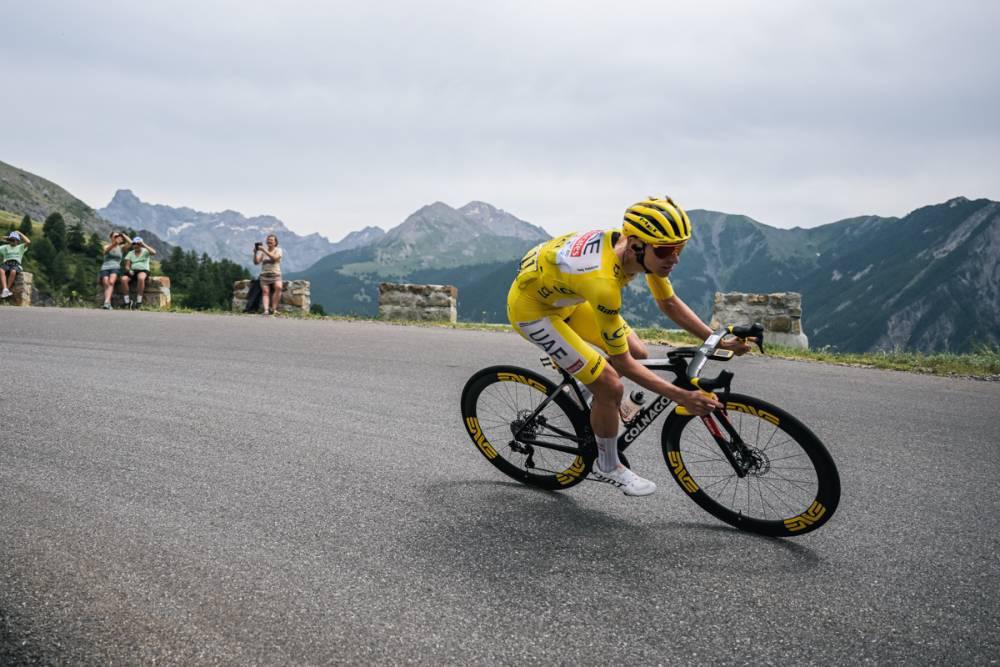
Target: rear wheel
(498, 402)
(790, 485)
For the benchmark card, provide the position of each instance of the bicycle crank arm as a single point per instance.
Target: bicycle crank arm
(550, 445)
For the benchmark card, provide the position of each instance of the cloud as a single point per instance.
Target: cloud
(562, 113)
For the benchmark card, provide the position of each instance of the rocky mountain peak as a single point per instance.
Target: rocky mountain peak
(124, 198)
(225, 234)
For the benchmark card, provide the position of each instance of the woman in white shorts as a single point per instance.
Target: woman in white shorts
(269, 258)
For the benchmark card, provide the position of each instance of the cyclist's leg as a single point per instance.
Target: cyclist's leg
(608, 391)
(584, 323)
(607, 385)
(570, 352)
(547, 329)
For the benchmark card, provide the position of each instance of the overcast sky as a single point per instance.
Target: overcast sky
(333, 116)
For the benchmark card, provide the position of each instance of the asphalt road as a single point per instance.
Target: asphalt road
(197, 489)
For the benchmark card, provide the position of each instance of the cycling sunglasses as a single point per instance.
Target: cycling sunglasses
(664, 251)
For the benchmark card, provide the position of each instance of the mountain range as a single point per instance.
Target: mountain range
(24, 193)
(929, 281)
(227, 234)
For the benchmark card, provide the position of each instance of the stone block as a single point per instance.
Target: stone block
(295, 296)
(405, 301)
(22, 288)
(780, 313)
(440, 300)
(780, 323)
(155, 295)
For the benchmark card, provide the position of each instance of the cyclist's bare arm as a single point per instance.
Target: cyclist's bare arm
(697, 402)
(684, 317)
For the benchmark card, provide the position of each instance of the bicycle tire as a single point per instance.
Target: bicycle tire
(496, 397)
(793, 489)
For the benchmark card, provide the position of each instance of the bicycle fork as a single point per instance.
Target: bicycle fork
(734, 449)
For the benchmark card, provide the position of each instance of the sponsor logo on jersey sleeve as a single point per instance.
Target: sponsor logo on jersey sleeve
(614, 336)
(586, 244)
(582, 253)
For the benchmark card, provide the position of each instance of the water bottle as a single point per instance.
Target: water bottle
(631, 405)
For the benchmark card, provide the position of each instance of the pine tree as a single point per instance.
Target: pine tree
(75, 240)
(26, 225)
(95, 246)
(44, 252)
(59, 271)
(83, 282)
(200, 292)
(54, 229)
(171, 266)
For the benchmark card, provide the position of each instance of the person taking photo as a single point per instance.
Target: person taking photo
(111, 268)
(269, 257)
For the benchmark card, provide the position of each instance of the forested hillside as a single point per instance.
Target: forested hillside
(65, 261)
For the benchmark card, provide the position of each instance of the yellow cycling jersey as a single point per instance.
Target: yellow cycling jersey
(558, 275)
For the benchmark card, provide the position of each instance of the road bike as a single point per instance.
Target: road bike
(749, 463)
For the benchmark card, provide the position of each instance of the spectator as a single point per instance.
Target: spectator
(112, 267)
(137, 268)
(11, 254)
(269, 259)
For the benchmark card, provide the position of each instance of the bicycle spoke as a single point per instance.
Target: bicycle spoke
(780, 479)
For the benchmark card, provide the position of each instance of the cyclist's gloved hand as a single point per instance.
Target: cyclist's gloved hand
(699, 403)
(739, 346)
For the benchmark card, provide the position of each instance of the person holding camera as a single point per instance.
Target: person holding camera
(112, 266)
(11, 254)
(269, 257)
(137, 268)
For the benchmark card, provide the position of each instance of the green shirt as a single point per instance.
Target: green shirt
(13, 252)
(140, 261)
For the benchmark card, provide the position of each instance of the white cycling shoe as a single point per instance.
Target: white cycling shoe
(626, 480)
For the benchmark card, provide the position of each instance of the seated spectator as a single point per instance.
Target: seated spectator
(11, 254)
(112, 267)
(269, 259)
(137, 268)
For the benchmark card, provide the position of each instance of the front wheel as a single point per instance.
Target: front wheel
(789, 484)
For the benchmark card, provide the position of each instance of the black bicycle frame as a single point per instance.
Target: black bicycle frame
(642, 420)
(638, 424)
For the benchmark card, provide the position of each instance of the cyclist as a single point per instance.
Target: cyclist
(568, 293)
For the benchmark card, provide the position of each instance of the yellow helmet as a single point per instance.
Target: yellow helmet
(657, 221)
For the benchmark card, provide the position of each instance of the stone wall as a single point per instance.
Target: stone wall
(156, 294)
(418, 302)
(780, 313)
(22, 289)
(295, 296)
